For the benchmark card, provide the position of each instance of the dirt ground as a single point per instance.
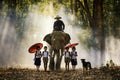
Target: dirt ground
(31, 74)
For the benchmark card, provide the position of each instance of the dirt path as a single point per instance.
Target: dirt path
(31, 74)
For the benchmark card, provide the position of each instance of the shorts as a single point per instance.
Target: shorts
(67, 60)
(74, 61)
(45, 60)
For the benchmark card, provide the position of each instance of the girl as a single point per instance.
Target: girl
(74, 58)
(37, 58)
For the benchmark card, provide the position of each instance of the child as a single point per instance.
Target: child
(67, 58)
(73, 58)
(45, 55)
(37, 58)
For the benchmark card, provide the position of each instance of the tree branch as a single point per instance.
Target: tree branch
(87, 8)
(81, 4)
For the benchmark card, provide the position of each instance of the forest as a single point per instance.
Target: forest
(99, 18)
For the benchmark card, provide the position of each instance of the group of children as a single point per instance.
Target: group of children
(68, 57)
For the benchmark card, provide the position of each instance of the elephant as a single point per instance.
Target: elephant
(57, 41)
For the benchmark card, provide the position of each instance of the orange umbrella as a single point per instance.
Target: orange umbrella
(32, 49)
(71, 45)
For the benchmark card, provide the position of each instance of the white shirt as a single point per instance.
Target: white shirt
(37, 54)
(74, 55)
(45, 53)
(67, 54)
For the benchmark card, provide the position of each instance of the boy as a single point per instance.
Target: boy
(67, 58)
(45, 55)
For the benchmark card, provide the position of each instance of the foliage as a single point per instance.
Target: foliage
(18, 10)
(83, 9)
(111, 16)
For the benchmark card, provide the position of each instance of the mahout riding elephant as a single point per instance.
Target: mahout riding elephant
(57, 40)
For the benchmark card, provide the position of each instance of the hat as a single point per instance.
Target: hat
(57, 17)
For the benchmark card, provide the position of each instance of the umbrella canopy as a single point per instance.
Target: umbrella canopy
(32, 49)
(71, 45)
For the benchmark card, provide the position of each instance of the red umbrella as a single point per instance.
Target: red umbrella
(71, 45)
(32, 49)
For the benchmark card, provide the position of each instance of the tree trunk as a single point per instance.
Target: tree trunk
(1, 6)
(98, 27)
(96, 24)
(76, 10)
(71, 5)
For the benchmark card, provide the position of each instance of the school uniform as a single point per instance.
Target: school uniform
(45, 55)
(74, 58)
(67, 56)
(37, 58)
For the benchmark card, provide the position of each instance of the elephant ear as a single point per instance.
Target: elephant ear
(47, 38)
(67, 38)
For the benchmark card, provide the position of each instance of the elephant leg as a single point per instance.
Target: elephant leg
(58, 61)
(61, 52)
(51, 65)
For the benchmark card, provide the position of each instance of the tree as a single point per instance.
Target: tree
(93, 16)
(116, 18)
